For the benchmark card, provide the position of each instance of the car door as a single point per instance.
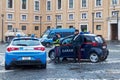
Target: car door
(86, 46)
(66, 47)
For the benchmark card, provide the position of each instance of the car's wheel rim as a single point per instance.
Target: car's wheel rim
(94, 57)
(52, 55)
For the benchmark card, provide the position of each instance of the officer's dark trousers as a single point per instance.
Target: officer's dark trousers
(57, 53)
(75, 53)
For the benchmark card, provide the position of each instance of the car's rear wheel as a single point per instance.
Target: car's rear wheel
(52, 55)
(94, 57)
(7, 67)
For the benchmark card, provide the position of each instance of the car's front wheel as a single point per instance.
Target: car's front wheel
(94, 57)
(52, 55)
(7, 67)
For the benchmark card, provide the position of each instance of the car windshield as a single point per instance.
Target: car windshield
(46, 34)
(26, 42)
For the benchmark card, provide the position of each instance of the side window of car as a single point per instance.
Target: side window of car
(67, 41)
(87, 39)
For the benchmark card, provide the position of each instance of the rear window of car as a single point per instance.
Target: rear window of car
(25, 42)
(99, 39)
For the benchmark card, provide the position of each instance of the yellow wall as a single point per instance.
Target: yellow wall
(106, 9)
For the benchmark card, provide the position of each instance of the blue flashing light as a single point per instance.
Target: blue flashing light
(84, 32)
(18, 35)
(32, 35)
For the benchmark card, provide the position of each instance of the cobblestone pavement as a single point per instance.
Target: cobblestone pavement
(109, 69)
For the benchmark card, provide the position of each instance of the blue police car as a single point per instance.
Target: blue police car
(90, 46)
(25, 51)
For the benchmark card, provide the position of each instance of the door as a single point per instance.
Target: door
(84, 28)
(67, 48)
(114, 32)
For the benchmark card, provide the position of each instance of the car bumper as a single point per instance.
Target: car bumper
(26, 62)
(105, 53)
(17, 58)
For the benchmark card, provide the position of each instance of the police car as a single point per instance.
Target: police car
(25, 51)
(91, 47)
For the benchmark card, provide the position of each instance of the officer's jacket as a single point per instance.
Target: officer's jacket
(56, 42)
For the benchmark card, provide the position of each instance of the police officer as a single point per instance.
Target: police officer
(75, 44)
(56, 42)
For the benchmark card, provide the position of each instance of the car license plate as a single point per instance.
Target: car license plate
(28, 48)
(26, 58)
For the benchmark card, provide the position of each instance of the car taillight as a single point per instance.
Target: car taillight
(39, 48)
(12, 49)
(94, 44)
(104, 46)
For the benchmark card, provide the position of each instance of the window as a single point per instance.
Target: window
(24, 4)
(36, 18)
(9, 16)
(48, 5)
(59, 4)
(84, 15)
(36, 5)
(59, 26)
(114, 2)
(98, 14)
(71, 3)
(24, 17)
(98, 27)
(36, 27)
(48, 18)
(84, 3)
(10, 3)
(23, 27)
(9, 27)
(71, 16)
(84, 28)
(26, 42)
(71, 27)
(67, 40)
(114, 13)
(88, 38)
(98, 2)
(59, 17)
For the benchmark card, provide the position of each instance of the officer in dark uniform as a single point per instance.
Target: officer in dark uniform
(56, 42)
(75, 44)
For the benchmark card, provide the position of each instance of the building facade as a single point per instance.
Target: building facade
(0, 20)
(22, 15)
(35, 16)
